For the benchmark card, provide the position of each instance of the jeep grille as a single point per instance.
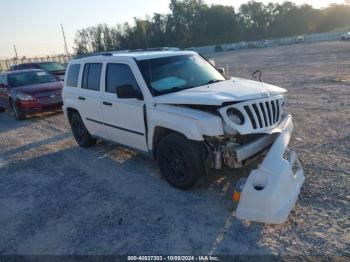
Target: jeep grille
(260, 115)
(264, 113)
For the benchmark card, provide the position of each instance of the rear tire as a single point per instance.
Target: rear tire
(180, 161)
(2, 109)
(17, 113)
(80, 133)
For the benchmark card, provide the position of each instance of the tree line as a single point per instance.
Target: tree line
(194, 23)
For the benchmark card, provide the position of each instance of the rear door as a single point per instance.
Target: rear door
(123, 117)
(89, 99)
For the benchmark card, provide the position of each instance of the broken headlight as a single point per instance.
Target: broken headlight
(235, 116)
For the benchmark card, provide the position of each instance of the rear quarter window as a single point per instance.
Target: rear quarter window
(73, 75)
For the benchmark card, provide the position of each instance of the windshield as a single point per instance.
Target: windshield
(30, 78)
(172, 74)
(52, 66)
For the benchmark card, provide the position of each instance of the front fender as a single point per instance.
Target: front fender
(193, 124)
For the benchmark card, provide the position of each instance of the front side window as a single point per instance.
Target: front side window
(73, 75)
(92, 76)
(172, 74)
(30, 78)
(119, 75)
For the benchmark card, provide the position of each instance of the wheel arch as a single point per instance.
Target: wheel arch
(70, 111)
(158, 133)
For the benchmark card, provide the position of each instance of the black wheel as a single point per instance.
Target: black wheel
(17, 113)
(180, 161)
(80, 133)
(2, 109)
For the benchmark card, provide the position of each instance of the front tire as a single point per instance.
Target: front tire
(180, 161)
(80, 133)
(17, 113)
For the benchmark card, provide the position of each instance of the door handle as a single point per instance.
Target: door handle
(81, 98)
(107, 103)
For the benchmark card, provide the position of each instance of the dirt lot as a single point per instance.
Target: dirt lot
(57, 198)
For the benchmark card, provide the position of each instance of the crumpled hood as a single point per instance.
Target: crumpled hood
(232, 90)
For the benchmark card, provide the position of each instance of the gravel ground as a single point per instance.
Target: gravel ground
(57, 198)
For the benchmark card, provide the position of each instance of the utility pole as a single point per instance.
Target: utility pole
(65, 42)
(14, 47)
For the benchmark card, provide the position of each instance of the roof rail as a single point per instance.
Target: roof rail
(94, 54)
(128, 51)
(150, 49)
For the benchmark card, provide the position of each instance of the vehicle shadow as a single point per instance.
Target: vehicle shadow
(108, 200)
(8, 122)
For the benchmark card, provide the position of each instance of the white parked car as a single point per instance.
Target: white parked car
(179, 108)
(345, 36)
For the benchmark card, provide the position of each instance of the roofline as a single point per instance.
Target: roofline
(111, 53)
(133, 55)
(24, 70)
(41, 62)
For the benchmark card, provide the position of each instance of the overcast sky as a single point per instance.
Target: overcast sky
(34, 26)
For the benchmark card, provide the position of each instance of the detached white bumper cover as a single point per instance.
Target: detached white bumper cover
(271, 191)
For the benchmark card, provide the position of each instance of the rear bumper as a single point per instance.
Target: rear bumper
(271, 191)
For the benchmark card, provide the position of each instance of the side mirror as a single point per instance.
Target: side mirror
(128, 91)
(221, 70)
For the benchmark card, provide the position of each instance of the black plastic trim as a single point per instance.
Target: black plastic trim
(117, 127)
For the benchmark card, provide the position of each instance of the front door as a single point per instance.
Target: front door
(123, 118)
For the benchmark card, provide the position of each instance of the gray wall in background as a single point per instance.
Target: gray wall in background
(312, 38)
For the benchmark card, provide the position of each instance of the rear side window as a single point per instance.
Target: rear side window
(119, 75)
(33, 66)
(72, 76)
(22, 67)
(92, 76)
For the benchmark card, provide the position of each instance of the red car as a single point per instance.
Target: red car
(29, 91)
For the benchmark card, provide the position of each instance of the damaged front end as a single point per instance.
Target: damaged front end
(263, 131)
(271, 191)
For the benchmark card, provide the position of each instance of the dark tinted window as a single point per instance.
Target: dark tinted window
(119, 75)
(33, 66)
(92, 76)
(22, 66)
(30, 78)
(73, 75)
(51, 66)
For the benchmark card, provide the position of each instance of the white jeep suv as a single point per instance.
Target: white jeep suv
(191, 118)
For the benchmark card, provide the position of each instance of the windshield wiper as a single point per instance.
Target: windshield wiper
(212, 81)
(174, 89)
